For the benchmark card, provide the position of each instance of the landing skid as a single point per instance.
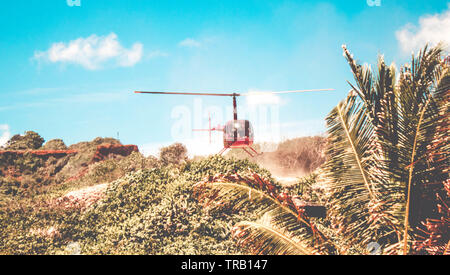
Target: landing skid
(252, 152)
(222, 151)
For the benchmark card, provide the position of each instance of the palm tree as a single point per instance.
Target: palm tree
(388, 153)
(386, 171)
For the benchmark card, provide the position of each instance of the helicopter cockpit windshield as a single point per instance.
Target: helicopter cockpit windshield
(243, 130)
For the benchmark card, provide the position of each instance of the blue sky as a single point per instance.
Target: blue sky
(70, 71)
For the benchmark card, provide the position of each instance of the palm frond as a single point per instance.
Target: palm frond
(349, 158)
(263, 238)
(418, 118)
(428, 167)
(284, 213)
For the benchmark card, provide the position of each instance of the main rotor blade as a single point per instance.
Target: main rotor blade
(285, 92)
(232, 94)
(182, 93)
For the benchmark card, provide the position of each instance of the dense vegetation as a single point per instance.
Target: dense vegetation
(150, 211)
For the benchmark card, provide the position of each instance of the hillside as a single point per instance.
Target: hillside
(102, 197)
(28, 169)
(146, 212)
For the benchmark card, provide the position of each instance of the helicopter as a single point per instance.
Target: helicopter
(237, 133)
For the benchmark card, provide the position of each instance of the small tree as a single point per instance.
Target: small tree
(173, 154)
(55, 144)
(30, 141)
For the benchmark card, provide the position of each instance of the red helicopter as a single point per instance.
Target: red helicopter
(237, 133)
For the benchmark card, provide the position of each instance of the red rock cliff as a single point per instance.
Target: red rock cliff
(104, 150)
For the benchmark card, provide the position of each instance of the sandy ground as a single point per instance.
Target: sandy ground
(83, 197)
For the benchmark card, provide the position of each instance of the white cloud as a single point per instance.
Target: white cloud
(432, 29)
(190, 43)
(5, 134)
(93, 52)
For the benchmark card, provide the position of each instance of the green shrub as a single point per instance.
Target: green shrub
(155, 212)
(173, 154)
(54, 144)
(30, 141)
